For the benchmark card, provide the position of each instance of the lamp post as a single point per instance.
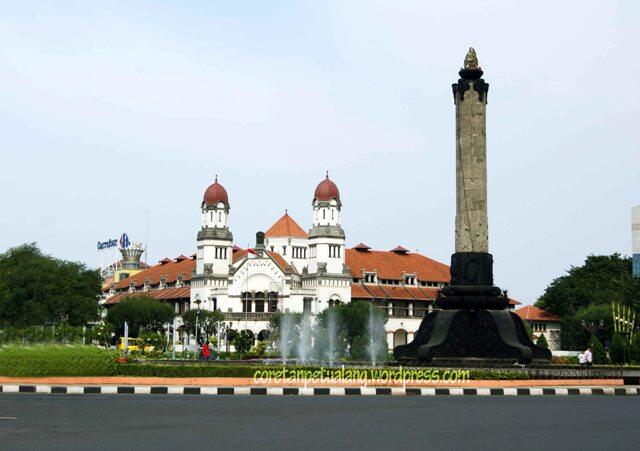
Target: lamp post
(196, 331)
(226, 339)
(592, 327)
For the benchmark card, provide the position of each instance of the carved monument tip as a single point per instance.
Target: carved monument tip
(471, 60)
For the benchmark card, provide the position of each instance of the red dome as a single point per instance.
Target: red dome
(327, 190)
(216, 193)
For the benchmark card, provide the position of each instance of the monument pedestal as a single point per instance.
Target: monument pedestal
(459, 334)
(473, 322)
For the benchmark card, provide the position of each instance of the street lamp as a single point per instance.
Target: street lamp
(592, 327)
(226, 336)
(198, 301)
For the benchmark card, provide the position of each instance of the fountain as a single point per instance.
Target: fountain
(332, 335)
(305, 342)
(306, 338)
(376, 336)
(286, 334)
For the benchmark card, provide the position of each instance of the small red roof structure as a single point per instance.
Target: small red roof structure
(165, 260)
(532, 313)
(361, 247)
(393, 265)
(235, 248)
(399, 250)
(181, 257)
(326, 190)
(286, 226)
(215, 194)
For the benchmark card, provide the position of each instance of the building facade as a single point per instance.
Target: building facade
(542, 323)
(290, 270)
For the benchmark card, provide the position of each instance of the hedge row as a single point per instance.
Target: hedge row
(56, 360)
(60, 360)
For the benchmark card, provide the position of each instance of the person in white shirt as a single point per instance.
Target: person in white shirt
(582, 359)
(589, 356)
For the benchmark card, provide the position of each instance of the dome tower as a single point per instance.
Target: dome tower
(326, 237)
(215, 240)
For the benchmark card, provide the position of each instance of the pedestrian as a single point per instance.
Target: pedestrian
(582, 359)
(589, 356)
(206, 352)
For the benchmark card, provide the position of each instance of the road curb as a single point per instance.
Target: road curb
(315, 391)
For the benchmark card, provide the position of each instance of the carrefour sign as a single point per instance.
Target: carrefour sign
(123, 242)
(107, 244)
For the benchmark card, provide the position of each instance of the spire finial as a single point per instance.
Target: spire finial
(327, 174)
(216, 177)
(471, 60)
(286, 212)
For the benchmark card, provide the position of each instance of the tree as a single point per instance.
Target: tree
(601, 280)
(599, 353)
(37, 289)
(617, 349)
(634, 348)
(141, 313)
(576, 336)
(207, 321)
(243, 342)
(542, 342)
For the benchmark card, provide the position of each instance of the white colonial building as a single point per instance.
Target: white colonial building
(290, 270)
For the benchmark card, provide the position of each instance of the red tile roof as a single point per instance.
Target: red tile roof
(400, 250)
(170, 270)
(391, 265)
(286, 226)
(280, 261)
(166, 294)
(361, 247)
(531, 313)
(277, 258)
(368, 291)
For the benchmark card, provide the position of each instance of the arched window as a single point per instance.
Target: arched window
(259, 302)
(399, 337)
(273, 301)
(246, 301)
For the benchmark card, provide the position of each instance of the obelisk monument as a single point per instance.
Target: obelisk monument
(472, 320)
(471, 265)
(472, 233)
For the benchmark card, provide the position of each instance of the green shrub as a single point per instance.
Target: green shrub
(599, 353)
(56, 360)
(634, 348)
(258, 351)
(542, 342)
(564, 360)
(242, 342)
(617, 349)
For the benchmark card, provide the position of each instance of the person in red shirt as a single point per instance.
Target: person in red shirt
(206, 352)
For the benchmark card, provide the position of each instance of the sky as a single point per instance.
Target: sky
(115, 112)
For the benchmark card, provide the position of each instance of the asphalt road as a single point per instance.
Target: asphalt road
(139, 422)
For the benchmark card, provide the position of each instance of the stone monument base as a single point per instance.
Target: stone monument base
(458, 334)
